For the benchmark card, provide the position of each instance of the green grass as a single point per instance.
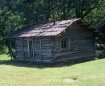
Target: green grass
(84, 74)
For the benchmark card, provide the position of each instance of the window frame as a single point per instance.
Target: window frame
(67, 44)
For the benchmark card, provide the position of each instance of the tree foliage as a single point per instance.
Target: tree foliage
(15, 14)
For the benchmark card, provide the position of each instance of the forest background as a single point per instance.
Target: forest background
(15, 14)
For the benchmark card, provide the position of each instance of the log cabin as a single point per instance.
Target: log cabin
(65, 41)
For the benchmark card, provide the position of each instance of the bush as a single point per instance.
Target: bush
(3, 50)
(100, 53)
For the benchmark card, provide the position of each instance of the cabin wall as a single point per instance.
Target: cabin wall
(81, 44)
(37, 49)
(21, 49)
(48, 49)
(25, 49)
(42, 48)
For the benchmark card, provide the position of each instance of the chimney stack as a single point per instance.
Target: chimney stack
(53, 14)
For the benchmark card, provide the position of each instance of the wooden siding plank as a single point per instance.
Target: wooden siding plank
(23, 49)
(19, 48)
(81, 44)
(37, 49)
(47, 48)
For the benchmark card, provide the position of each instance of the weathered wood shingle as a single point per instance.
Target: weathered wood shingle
(43, 29)
(48, 29)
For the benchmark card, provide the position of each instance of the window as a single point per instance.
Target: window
(64, 43)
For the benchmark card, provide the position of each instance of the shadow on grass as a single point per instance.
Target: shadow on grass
(20, 64)
(40, 66)
(63, 64)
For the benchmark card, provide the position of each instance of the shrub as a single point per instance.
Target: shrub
(100, 53)
(3, 49)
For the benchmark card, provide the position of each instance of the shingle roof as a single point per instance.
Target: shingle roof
(48, 29)
(42, 30)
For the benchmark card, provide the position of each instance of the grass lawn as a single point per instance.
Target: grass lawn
(83, 74)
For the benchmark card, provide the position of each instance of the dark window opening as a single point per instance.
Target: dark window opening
(64, 43)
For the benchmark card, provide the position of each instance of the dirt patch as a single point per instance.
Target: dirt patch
(69, 80)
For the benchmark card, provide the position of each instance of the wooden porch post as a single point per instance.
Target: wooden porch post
(10, 48)
(94, 46)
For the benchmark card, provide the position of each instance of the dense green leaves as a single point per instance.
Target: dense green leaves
(15, 14)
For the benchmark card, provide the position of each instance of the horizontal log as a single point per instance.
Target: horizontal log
(73, 53)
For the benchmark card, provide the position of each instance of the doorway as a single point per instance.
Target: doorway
(31, 49)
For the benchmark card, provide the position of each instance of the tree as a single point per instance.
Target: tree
(14, 14)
